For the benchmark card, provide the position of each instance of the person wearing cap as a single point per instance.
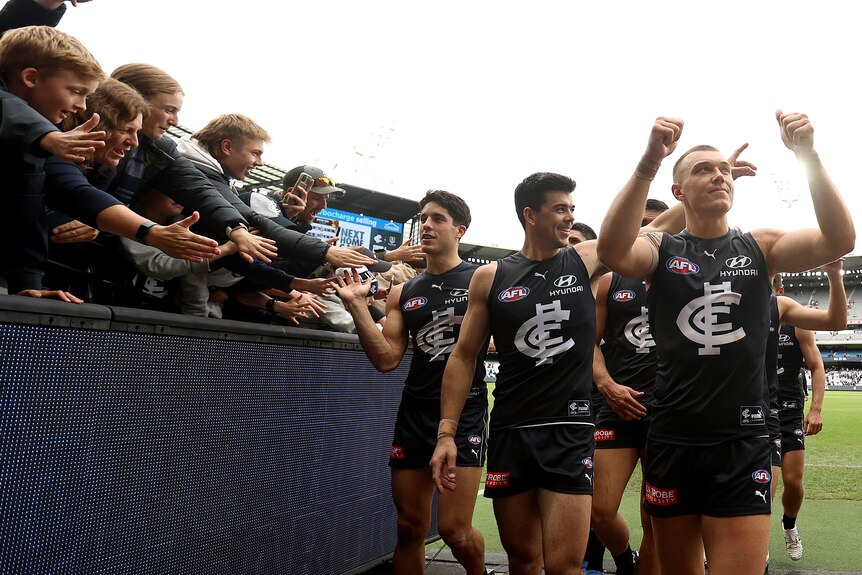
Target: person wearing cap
(296, 208)
(322, 188)
(428, 310)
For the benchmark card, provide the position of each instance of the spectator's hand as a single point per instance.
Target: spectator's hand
(331, 241)
(293, 203)
(319, 286)
(51, 294)
(381, 294)
(315, 306)
(623, 400)
(72, 145)
(73, 232)
(351, 288)
(797, 133)
(340, 257)
(54, 4)
(227, 249)
(443, 464)
(740, 168)
(813, 423)
(293, 309)
(177, 241)
(251, 246)
(406, 253)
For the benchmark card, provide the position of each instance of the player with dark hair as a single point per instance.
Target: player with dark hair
(538, 305)
(428, 310)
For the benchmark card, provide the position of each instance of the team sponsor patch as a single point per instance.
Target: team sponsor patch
(624, 295)
(474, 440)
(415, 303)
(761, 476)
(751, 415)
(738, 262)
(682, 266)
(579, 407)
(513, 294)
(397, 452)
(497, 479)
(565, 281)
(662, 497)
(604, 434)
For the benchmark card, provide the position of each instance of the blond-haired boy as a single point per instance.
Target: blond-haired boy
(45, 76)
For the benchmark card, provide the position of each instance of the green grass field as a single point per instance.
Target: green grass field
(831, 516)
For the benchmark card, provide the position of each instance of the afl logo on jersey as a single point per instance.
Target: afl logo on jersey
(415, 303)
(761, 476)
(682, 266)
(738, 262)
(588, 462)
(513, 294)
(474, 440)
(624, 295)
(565, 281)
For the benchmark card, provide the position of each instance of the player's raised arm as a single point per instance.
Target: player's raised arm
(619, 247)
(834, 317)
(835, 236)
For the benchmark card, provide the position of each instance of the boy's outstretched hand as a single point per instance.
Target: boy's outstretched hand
(72, 145)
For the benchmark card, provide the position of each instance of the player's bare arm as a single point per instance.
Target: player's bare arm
(621, 398)
(458, 377)
(834, 317)
(619, 246)
(813, 422)
(835, 235)
(386, 348)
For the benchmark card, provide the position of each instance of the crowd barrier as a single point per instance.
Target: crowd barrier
(142, 442)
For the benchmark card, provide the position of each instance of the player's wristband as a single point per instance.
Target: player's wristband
(447, 428)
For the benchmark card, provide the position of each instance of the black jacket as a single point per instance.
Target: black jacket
(20, 13)
(291, 244)
(168, 171)
(22, 236)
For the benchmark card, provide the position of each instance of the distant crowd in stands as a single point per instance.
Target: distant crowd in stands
(109, 209)
(843, 376)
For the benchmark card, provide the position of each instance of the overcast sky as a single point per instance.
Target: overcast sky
(472, 97)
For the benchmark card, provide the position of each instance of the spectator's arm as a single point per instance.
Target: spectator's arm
(20, 13)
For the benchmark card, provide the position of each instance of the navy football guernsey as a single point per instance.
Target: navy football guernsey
(628, 346)
(791, 396)
(433, 308)
(543, 320)
(709, 316)
(772, 421)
